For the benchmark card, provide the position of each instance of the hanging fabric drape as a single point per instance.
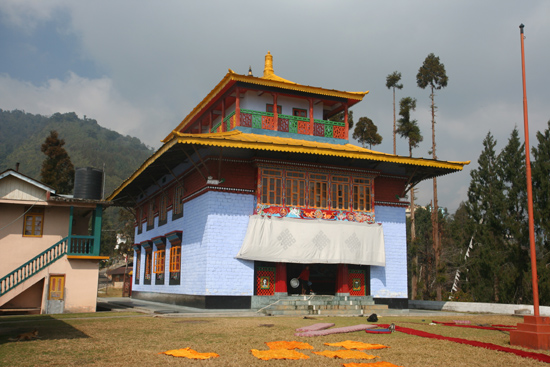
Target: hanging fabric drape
(313, 241)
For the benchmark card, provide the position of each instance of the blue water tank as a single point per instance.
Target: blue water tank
(88, 183)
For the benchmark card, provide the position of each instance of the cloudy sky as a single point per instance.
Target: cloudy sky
(139, 67)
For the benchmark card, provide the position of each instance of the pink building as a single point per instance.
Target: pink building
(49, 261)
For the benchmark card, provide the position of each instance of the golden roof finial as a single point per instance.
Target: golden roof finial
(268, 68)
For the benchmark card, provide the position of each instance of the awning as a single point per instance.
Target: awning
(313, 241)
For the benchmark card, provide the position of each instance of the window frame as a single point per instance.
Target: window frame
(345, 196)
(318, 187)
(269, 108)
(367, 192)
(291, 190)
(272, 184)
(159, 263)
(175, 259)
(34, 214)
(177, 205)
(299, 112)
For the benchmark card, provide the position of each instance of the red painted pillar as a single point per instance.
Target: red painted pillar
(311, 116)
(223, 115)
(238, 107)
(280, 279)
(275, 113)
(342, 288)
(346, 126)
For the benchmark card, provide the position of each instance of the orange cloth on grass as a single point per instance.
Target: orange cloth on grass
(345, 354)
(288, 345)
(189, 353)
(266, 355)
(350, 344)
(375, 364)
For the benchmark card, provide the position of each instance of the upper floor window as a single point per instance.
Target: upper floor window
(177, 206)
(33, 223)
(272, 187)
(340, 192)
(315, 190)
(150, 213)
(362, 194)
(295, 188)
(269, 108)
(163, 208)
(318, 192)
(299, 112)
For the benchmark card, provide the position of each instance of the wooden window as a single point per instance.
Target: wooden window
(33, 223)
(295, 189)
(177, 206)
(151, 213)
(147, 265)
(163, 207)
(272, 187)
(318, 190)
(159, 261)
(340, 192)
(362, 194)
(56, 290)
(269, 108)
(175, 259)
(299, 112)
(138, 266)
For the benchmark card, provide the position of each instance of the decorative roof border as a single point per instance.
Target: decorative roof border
(238, 139)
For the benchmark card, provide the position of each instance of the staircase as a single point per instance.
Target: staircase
(70, 245)
(318, 305)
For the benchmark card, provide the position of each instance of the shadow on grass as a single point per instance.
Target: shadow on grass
(48, 327)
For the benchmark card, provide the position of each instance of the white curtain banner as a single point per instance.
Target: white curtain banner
(313, 241)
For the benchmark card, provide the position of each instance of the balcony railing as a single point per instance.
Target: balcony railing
(286, 123)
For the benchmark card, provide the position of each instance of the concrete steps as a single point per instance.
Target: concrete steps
(319, 305)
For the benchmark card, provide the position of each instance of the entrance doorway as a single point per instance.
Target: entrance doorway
(322, 277)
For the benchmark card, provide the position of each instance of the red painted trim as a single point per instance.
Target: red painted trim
(237, 107)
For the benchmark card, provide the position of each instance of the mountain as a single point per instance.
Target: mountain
(88, 145)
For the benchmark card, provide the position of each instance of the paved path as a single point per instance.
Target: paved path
(132, 304)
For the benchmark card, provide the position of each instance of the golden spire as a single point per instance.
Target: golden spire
(268, 68)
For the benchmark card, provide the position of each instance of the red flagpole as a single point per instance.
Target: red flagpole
(529, 186)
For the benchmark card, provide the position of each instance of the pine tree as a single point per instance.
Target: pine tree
(57, 168)
(432, 73)
(486, 206)
(392, 82)
(366, 132)
(515, 221)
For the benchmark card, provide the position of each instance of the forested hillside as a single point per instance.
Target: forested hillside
(88, 145)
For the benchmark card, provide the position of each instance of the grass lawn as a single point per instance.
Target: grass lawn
(130, 339)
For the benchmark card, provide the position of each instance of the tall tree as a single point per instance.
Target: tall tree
(486, 206)
(366, 132)
(541, 187)
(515, 221)
(409, 129)
(432, 73)
(392, 82)
(57, 168)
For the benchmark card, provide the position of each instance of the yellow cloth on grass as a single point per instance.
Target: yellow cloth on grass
(266, 355)
(350, 344)
(189, 353)
(375, 364)
(345, 354)
(288, 345)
